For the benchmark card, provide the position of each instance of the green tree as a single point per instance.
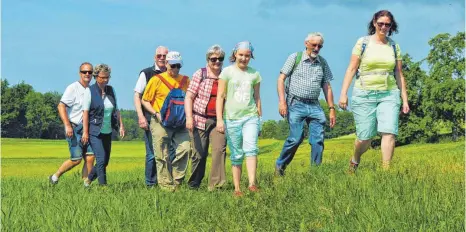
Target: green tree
(38, 115)
(14, 109)
(443, 95)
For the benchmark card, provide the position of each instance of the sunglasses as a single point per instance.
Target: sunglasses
(214, 59)
(85, 72)
(178, 66)
(160, 56)
(380, 24)
(316, 45)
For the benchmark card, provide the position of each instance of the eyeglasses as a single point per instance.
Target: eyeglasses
(85, 72)
(214, 59)
(381, 24)
(161, 55)
(316, 45)
(105, 77)
(178, 66)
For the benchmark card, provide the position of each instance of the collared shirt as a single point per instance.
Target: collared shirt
(156, 91)
(73, 100)
(308, 77)
(141, 83)
(202, 90)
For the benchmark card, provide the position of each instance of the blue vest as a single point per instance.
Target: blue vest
(96, 110)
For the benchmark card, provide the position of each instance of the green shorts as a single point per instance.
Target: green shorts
(375, 111)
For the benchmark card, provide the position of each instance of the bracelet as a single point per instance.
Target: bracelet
(331, 107)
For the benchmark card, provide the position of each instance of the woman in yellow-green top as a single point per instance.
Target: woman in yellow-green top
(375, 102)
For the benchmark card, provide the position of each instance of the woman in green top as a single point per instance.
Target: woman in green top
(239, 104)
(375, 102)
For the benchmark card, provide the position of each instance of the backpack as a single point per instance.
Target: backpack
(172, 111)
(299, 56)
(365, 41)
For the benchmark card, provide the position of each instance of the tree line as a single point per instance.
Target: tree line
(436, 99)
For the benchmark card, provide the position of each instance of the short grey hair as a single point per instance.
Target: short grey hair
(84, 63)
(215, 49)
(315, 34)
(101, 68)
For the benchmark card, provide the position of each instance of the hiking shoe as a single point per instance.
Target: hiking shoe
(238, 194)
(51, 181)
(352, 167)
(253, 188)
(87, 183)
(279, 171)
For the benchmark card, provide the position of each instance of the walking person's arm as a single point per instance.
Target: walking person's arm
(401, 82)
(188, 109)
(327, 88)
(138, 91)
(350, 72)
(282, 108)
(64, 118)
(221, 94)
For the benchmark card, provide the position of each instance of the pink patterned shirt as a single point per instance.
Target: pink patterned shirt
(201, 90)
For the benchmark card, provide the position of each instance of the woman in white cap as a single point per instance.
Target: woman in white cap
(239, 112)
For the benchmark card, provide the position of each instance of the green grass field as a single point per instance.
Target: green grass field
(423, 191)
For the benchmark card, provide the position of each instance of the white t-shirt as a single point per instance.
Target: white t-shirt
(73, 99)
(141, 83)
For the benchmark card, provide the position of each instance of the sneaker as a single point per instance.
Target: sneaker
(51, 181)
(352, 167)
(87, 183)
(253, 188)
(237, 194)
(279, 171)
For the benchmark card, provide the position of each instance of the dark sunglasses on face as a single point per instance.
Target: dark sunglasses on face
(380, 24)
(161, 55)
(178, 66)
(85, 72)
(214, 59)
(316, 45)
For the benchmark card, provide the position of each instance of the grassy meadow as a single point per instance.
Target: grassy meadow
(423, 191)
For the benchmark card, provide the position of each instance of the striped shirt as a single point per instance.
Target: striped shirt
(308, 77)
(201, 90)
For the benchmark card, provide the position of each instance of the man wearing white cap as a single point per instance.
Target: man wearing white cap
(170, 173)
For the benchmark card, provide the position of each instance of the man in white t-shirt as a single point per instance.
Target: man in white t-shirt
(144, 117)
(71, 113)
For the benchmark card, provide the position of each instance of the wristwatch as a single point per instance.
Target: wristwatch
(331, 107)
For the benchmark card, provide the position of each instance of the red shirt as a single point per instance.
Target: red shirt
(210, 111)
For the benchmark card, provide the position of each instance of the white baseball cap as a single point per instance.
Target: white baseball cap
(174, 57)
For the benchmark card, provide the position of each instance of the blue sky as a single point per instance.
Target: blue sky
(43, 42)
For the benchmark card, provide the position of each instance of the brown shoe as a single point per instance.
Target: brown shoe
(253, 188)
(237, 194)
(352, 167)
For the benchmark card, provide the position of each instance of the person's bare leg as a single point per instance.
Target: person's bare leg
(251, 165)
(360, 146)
(87, 166)
(66, 166)
(388, 147)
(236, 171)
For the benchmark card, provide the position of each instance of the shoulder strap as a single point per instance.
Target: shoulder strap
(365, 41)
(393, 44)
(183, 82)
(203, 74)
(299, 56)
(165, 81)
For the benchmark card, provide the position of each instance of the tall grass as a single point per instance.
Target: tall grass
(423, 191)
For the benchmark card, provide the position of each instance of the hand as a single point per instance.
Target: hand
(405, 108)
(189, 123)
(343, 103)
(85, 138)
(220, 126)
(69, 131)
(143, 123)
(333, 118)
(282, 109)
(122, 132)
(158, 116)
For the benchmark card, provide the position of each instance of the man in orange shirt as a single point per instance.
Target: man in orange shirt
(169, 173)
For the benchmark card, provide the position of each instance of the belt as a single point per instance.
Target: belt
(304, 100)
(375, 73)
